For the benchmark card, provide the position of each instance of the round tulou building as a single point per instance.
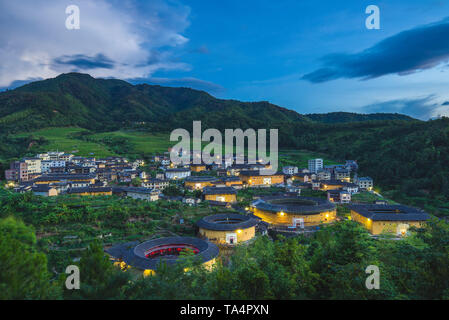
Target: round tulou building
(149, 255)
(293, 211)
(228, 228)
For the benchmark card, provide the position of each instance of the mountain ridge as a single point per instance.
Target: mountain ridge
(109, 104)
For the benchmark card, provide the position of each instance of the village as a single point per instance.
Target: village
(54, 173)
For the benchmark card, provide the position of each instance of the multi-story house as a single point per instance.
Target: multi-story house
(315, 165)
(33, 165)
(338, 196)
(352, 165)
(365, 183)
(323, 175)
(47, 164)
(177, 173)
(157, 184)
(290, 170)
(342, 174)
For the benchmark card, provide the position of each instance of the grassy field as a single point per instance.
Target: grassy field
(141, 143)
(299, 158)
(62, 139)
(365, 196)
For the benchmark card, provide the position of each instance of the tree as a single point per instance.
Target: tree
(98, 277)
(23, 270)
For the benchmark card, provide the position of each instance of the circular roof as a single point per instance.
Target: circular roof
(227, 222)
(138, 254)
(293, 204)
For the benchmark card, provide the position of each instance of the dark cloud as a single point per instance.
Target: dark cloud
(421, 108)
(406, 52)
(84, 62)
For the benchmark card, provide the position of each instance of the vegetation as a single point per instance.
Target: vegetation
(328, 265)
(404, 156)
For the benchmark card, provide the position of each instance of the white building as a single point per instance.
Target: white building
(33, 165)
(158, 184)
(142, 193)
(54, 155)
(177, 173)
(290, 170)
(365, 183)
(323, 175)
(47, 164)
(352, 188)
(315, 165)
(66, 157)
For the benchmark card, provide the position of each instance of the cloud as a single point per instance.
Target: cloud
(82, 62)
(188, 82)
(407, 52)
(422, 108)
(121, 39)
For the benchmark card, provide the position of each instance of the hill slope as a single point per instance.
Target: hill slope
(342, 117)
(79, 100)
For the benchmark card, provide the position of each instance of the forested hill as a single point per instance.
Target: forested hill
(99, 104)
(340, 117)
(76, 99)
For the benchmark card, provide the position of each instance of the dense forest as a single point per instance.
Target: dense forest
(329, 265)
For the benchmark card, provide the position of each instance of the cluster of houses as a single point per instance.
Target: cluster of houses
(54, 173)
(340, 181)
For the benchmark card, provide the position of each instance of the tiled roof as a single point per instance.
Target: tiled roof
(201, 179)
(382, 212)
(310, 206)
(89, 189)
(218, 190)
(227, 222)
(133, 253)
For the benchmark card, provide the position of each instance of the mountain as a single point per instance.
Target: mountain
(76, 99)
(342, 117)
(107, 104)
(402, 154)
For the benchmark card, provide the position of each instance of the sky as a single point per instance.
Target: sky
(307, 55)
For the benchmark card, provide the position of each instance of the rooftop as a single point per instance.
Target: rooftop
(382, 212)
(218, 190)
(227, 222)
(138, 255)
(293, 204)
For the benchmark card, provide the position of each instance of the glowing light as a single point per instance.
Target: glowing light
(281, 213)
(239, 231)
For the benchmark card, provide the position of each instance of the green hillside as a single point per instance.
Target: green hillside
(107, 105)
(341, 117)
